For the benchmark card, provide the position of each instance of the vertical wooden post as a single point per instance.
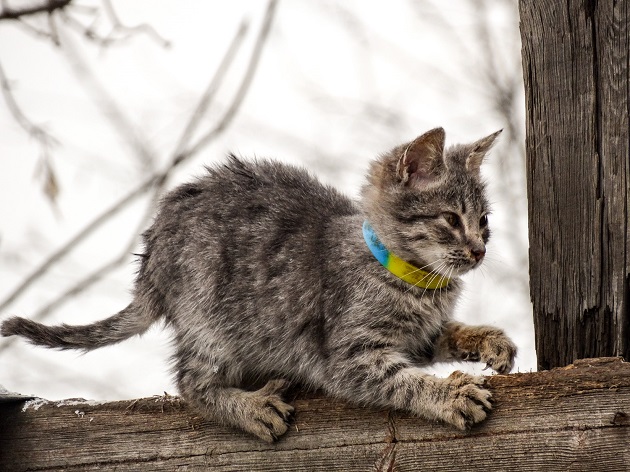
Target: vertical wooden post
(577, 88)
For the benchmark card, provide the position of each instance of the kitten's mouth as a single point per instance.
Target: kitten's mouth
(461, 266)
(473, 265)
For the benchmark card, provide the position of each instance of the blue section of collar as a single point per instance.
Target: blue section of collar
(376, 246)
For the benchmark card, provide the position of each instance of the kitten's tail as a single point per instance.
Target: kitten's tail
(116, 328)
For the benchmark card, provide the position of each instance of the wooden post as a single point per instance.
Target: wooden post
(575, 65)
(575, 418)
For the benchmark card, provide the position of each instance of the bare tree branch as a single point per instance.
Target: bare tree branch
(80, 236)
(118, 33)
(37, 132)
(211, 89)
(117, 118)
(158, 180)
(242, 90)
(47, 6)
(95, 276)
(46, 140)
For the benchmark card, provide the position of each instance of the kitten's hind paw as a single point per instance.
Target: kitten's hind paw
(466, 402)
(268, 416)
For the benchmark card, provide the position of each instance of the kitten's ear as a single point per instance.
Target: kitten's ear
(423, 159)
(479, 149)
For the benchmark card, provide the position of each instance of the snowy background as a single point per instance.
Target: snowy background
(94, 106)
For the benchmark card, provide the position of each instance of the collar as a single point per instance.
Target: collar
(401, 269)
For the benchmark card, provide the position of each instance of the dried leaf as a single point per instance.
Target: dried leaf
(51, 185)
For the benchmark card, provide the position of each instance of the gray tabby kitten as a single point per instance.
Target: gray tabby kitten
(267, 280)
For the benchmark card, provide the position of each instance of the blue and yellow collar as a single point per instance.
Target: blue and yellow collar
(400, 268)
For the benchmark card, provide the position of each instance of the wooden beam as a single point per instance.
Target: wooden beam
(576, 58)
(573, 418)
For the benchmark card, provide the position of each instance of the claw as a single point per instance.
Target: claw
(470, 356)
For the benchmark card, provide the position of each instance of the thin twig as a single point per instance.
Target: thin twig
(118, 26)
(37, 132)
(54, 32)
(36, 31)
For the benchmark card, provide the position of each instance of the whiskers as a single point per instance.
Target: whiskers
(450, 272)
(434, 268)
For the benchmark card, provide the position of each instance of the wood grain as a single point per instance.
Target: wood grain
(575, 418)
(575, 66)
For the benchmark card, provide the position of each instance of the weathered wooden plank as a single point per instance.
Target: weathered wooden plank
(575, 418)
(570, 450)
(168, 431)
(358, 458)
(576, 59)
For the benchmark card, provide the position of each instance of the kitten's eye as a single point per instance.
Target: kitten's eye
(452, 219)
(483, 221)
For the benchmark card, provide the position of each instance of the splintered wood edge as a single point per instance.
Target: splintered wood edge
(494, 382)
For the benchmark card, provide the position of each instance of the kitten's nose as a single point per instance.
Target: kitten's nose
(478, 252)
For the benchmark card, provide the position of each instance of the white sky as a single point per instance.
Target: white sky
(335, 86)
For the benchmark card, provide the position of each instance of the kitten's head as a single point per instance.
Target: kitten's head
(428, 205)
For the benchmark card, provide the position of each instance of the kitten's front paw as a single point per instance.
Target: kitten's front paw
(466, 402)
(498, 352)
(268, 416)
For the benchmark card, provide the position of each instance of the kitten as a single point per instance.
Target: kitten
(268, 277)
